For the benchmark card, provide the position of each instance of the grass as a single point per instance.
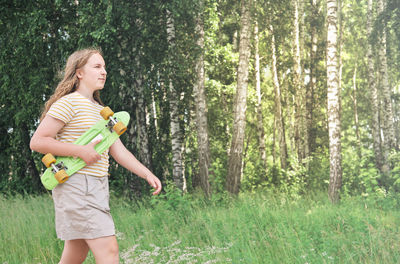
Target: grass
(262, 228)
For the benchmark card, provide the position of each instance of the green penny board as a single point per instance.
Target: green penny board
(75, 164)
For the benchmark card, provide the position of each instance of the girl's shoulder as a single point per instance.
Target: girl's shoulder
(68, 102)
(70, 96)
(73, 99)
(78, 102)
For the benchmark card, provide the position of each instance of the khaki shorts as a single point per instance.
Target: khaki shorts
(82, 208)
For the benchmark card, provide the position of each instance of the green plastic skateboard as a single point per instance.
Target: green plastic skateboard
(59, 169)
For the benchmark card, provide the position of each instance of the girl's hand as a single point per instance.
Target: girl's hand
(88, 154)
(155, 183)
(126, 159)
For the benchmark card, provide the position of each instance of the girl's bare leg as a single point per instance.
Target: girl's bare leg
(104, 249)
(75, 251)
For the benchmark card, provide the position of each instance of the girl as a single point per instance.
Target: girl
(82, 211)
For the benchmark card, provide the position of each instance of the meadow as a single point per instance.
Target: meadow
(252, 228)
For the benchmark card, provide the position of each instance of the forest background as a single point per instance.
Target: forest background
(226, 96)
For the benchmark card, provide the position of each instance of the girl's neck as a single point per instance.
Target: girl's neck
(87, 94)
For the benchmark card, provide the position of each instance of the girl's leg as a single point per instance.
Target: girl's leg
(104, 249)
(75, 251)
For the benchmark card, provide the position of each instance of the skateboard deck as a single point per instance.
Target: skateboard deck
(103, 129)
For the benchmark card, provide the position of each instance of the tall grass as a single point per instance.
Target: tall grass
(263, 228)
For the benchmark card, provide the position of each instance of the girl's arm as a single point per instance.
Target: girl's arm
(43, 141)
(126, 159)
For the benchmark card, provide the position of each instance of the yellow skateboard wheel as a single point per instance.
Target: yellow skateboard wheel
(48, 159)
(106, 112)
(119, 128)
(61, 176)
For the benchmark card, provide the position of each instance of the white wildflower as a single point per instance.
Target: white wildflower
(120, 235)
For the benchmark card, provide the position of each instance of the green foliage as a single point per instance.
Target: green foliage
(294, 179)
(29, 69)
(36, 38)
(360, 176)
(218, 172)
(172, 199)
(394, 178)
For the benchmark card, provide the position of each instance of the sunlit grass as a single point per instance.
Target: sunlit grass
(262, 228)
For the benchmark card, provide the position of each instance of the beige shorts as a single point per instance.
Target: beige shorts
(82, 208)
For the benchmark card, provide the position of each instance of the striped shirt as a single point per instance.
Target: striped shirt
(79, 114)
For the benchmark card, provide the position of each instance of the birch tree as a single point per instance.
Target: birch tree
(201, 108)
(335, 179)
(280, 124)
(389, 140)
(260, 125)
(311, 87)
(354, 98)
(376, 135)
(240, 104)
(141, 119)
(174, 97)
(299, 97)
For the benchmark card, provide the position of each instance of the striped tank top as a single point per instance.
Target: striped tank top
(79, 114)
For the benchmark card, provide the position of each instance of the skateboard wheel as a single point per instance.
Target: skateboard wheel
(61, 176)
(48, 159)
(119, 128)
(106, 112)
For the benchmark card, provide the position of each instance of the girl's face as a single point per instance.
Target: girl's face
(93, 75)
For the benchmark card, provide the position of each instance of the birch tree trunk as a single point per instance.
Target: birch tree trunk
(239, 121)
(278, 105)
(274, 142)
(141, 119)
(174, 97)
(129, 93)
(376, 134)
(260, 123)
(335, 179)
(313, 79)
(201, 110)
(144, 151)
(299, 98)
(339, 40)
(154, 112)
(355, 107)
(389, 141)
(163, 118)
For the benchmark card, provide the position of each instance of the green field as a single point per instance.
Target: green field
(262, 228)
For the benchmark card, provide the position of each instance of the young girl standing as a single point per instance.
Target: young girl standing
(82, 213)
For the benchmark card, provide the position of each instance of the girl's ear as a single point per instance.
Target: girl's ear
(79, 73)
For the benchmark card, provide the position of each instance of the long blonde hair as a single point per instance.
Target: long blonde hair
(70, 81)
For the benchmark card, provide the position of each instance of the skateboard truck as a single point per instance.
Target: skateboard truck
(58, 169)
(113, 123)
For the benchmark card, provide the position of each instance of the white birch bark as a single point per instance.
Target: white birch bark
(278, 105)
(334, 126)
(141, 118)
(313, 80)
(355, 107)
(178, 173)
(201, 110)
(240, 105)
(389, 140)
(374, 92)
(260, 123)
(299, 99)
